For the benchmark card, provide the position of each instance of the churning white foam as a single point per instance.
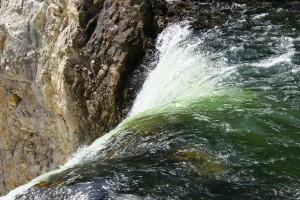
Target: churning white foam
(179, 74)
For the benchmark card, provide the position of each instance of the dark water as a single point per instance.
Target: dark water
(242, 143)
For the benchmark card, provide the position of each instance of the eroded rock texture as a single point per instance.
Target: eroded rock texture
(63, 71)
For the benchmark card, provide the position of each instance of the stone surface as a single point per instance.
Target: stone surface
(69, 70)
(64, 67)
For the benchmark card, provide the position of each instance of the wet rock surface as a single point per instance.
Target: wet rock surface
(69, 71)
(63, 72)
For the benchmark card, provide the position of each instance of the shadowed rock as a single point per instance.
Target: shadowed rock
(63, 72)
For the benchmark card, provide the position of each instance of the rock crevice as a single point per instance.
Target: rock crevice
(64, 67)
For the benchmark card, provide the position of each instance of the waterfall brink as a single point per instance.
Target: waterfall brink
(181, 74)
(169, 42)
(217, 118)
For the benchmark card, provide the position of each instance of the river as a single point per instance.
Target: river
(218, 118)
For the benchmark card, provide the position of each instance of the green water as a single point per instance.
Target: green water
(240, 142)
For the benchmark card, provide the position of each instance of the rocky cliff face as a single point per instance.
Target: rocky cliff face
(64, 67)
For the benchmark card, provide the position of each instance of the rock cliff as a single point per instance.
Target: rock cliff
(69, 70)
(64, 68)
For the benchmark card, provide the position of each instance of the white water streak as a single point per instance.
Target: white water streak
(179, 75)
(183, 73)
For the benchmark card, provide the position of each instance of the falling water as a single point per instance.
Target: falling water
(218, 118)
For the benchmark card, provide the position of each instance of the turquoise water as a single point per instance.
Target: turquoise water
(217, 119)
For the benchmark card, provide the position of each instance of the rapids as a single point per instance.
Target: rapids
(218, 118)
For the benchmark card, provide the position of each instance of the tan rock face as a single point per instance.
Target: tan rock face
(63, 69)
(13, 100)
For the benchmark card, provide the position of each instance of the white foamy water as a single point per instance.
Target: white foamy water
(182, 71)
(177, 61)
(286, 44)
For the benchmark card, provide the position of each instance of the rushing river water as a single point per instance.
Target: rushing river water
(218, 118)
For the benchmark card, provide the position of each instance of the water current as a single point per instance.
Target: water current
(218, 118)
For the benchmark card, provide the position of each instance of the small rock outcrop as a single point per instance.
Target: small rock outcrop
(64, 67)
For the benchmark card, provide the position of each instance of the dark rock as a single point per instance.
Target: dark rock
(64, 70)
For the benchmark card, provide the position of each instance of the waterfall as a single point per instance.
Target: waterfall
(217, 118)
(183, 72)
(169, 42)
